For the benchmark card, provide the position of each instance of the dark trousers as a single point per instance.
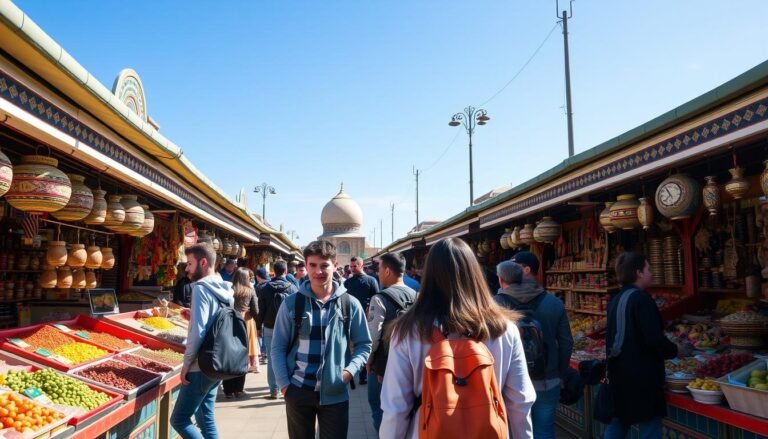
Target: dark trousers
(303, 407)
(233, 385)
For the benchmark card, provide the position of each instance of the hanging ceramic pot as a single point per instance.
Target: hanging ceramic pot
(99, 212)
(204, 238)
(711, 195)
(547, 230)
(38, 186)
(80, 203)
(243, 252)
(624, 212)
(526, 235)
(148, 225)
(216, 244)
(503, 240)
(605, 218)
(48, 277)
(738, 186)
(64, 277)
(677, 197)
(78, 278)
(107, 258)
(134, 214)
(6, 173)
(90, 279)
(56, 256)
(645, 213)
(227, 247)
(235, 249)
(95, 257)
(763, 177)
(514, 238)
(115, 213)
(77, 256)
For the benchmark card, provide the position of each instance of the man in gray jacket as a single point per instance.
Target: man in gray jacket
(198, 392)
(520, 290)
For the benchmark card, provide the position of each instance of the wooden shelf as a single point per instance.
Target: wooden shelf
(554, 288)
(666, 286)
(587, 311)
(21, 271)
(595, 290)
(589, 270)
(723, 290)
(558, 271)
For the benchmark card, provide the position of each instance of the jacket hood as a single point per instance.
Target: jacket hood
(524, 292)
(306, 289)
(221, 289)
(280, 284)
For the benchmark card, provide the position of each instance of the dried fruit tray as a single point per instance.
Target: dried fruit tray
(137, 338)
(129, 321)
(129, 394)
(130, 358)
(9, 342)
(115, 398)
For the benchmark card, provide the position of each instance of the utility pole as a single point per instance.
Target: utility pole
(381, 235)
(392, 208)
(416, 172)
(568, 104)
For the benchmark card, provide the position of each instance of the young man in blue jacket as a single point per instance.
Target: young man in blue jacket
(313, 365)
(198, 392)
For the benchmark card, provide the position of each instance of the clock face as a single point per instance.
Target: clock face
(670, 194)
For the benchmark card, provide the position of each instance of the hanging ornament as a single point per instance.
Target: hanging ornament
(547, 230)
(738, 185)
(99, 211)
(645, 213)
(605, 218)
(6, 173)
(80, 203)
(711, 195)
(38, 186)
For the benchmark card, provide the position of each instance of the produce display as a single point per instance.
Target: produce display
(60, 388)
(165, 356)
(682, 367)
(704, 384)
(700, 335)
(103, 339)
(588, 324)
(159, 323)
(79, 352)
(723, 365)
(144, 363)
(46, 337)
(176, 335)
(24, 415)
(116, 374)
(757, 379)
(745, 316)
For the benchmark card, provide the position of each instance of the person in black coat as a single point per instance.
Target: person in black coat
(636, 375)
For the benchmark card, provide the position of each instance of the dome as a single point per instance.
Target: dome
(341, 215)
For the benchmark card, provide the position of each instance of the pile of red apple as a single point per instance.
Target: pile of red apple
(723, 365)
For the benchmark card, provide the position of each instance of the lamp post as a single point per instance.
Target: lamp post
(470, 118)
(264, 189)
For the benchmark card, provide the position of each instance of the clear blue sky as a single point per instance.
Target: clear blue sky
(304, 94)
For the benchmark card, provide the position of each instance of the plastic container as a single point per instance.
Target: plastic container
(712, 397)
(129, 394)
(742, 398)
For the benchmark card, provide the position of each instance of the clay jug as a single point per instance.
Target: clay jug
(624, 212)
(134, 214)
(738, 185)
(108, 259)
(526, 234)
(57, 253)
(6, 173)
(115, 212)
(90, 279)
(78, 278)
(503, 239)
(763, 178)
(711, 195)
(77, 256)
(94, 257)
(514, 238)
(48, 277)
(645, 213)
(38, 186)
(64, 277)
(547, 230)
(80, 203)
(605, 218)
(99, 212)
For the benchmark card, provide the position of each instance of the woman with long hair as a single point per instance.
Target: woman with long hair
(455, 299)
(245, 303)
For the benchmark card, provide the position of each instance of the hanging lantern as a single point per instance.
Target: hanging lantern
(503, 240)
(711, 195)
(64, 277)
(95, 257)
(547, 230)
(107, 258)
(48, 277)
(624, 212)
(6, 173)
(115, 213)
(77, 256)
(526, 235)
(90, 279)
(605, 218)
(645, 213)
(56, 256)
(38, 186)
(99, 212)
(738, 186)
(78, 278)
(80, 203)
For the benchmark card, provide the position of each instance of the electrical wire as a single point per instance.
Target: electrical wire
(445, 151)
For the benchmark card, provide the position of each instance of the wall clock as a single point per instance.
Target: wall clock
(677, 197)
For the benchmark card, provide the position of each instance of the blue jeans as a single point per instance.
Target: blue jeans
(648, 430)
(543, 413)
(196, 398)
(374, 399)
(267, 337)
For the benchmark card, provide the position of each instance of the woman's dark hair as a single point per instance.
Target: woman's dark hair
(627, 266)
(453, 293)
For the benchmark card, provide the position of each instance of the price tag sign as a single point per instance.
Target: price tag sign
(62, 360)
(36, 394)
(147, 328)
(81, 334)
(43, 352)
(19, 342)
(61, 327)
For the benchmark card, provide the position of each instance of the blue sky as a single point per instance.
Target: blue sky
(305, 94)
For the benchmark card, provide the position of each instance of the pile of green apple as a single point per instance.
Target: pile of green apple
(757, 379)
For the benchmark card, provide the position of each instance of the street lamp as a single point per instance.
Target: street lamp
(264, 189)
(470, 118)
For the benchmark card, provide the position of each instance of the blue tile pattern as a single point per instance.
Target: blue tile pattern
(138, 418)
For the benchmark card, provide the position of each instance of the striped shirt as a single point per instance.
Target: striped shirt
(311, 351)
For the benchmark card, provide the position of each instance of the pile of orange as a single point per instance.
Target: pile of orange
(24, 415)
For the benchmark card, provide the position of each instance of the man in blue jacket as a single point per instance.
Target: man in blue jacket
(313, 365)
(198, 392)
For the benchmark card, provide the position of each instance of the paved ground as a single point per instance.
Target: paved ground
(256, 417)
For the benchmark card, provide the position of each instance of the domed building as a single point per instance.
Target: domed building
(342, 220)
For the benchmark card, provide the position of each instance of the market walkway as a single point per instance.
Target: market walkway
(259, 418)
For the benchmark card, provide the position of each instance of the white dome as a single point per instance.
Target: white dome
(341, 215)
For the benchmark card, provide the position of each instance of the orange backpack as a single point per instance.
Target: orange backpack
(460, 396)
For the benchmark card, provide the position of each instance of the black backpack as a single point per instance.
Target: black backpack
(395, 306)
(531, 333)
(224, 351)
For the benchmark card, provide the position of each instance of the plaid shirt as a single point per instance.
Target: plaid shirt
(311, 351)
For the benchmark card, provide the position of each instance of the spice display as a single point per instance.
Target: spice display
(176, 335)
(117, 374)
(60, 388)
(46, 337)
(79, 352)
(160, 323)
(144, 363)
(165, 356)
(103, 339)
(24, 415)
